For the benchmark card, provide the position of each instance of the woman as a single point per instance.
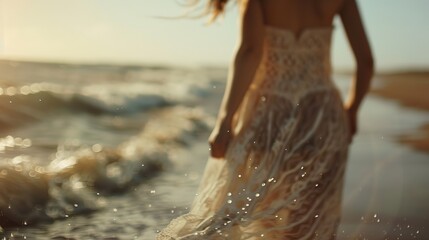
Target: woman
(279, 148)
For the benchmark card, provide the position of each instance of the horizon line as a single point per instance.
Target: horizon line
(166, 65)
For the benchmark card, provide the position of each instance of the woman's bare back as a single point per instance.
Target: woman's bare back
(297, 15)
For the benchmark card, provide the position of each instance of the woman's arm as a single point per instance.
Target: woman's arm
(246, 60)
(358, 40)
(242, 71)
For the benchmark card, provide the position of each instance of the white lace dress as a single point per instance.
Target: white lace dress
(282, 176)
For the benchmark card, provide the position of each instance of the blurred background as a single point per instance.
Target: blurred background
(106, 106)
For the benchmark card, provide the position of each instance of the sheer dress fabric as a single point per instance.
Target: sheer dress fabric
(282, 176)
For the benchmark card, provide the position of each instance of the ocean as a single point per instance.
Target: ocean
(116, 152)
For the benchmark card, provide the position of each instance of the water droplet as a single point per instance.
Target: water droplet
(316, 216)
(257, 195)
(229, 201)
(24, 90)
(76, 205)
(375, 215)
(115, 210)
(97, 148)
(152, 191)
(10, 91)
(271, 179)
(229, 194)
(26, 142)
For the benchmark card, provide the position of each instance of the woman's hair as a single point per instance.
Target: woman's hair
(213, 8)
(216, 7)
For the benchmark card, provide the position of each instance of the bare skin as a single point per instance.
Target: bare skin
(295, 15)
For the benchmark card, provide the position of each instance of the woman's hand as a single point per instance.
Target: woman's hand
(220, 138)
(352, 118)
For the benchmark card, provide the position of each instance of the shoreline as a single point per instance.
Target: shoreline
(409, 89)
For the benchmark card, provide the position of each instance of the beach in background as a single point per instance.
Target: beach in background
(117, 151)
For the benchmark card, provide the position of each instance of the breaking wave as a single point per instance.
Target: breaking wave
(79, 179)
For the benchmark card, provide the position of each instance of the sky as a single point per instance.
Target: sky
(146, 32)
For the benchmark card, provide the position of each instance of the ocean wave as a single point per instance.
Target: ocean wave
(20, 109)
(80, 178)
(35, 102)
(127, 105)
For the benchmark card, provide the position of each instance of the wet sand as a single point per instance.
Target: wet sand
(410, 89)
(419, 140)
(386, 194)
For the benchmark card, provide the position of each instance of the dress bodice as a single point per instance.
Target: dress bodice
(294, 64)
(310, 39)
